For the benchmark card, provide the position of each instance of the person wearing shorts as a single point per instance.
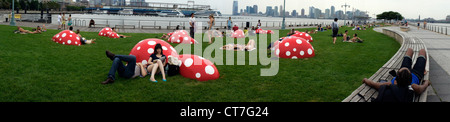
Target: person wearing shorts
(408, 75)
(335, 29)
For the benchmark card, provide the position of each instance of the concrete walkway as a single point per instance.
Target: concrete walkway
(439, 50)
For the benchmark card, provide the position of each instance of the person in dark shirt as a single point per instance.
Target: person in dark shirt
(156, 63)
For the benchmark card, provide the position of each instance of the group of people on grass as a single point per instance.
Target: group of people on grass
(156, 64)
(346, 37)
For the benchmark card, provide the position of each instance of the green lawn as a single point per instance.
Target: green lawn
(35, 69)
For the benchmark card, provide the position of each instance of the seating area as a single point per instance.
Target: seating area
(365, 93)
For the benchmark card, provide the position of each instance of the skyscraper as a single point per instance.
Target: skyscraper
(269, 11)
(327, 14)
(275, 11)
(235, 8)
(311, 12)
(332, 14)
(303, 12)
(255, 9)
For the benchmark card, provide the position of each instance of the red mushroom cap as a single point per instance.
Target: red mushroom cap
(181, 36)
(238, 34)
(294, 47)
(143, 49)
(67, 37)
(198, 68)
(104, 32)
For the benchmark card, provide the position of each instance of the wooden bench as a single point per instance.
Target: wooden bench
(151, 26)
(123, 26)
(365, 93)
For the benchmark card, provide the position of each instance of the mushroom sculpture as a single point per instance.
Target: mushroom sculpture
(198, 68)
(67, 37)
(238, 34)
(113, 35)
(293, 48)
(181, 36)
(145, 48)
(303, 35)
(105, 32)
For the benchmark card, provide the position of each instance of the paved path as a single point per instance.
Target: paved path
(439, 50)
(86, 29)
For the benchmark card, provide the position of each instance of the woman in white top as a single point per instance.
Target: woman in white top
(211, 23)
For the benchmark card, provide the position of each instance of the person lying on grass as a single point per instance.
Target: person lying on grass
(236, 47)
(405, 77)
(121, 36)
(23, 31)
(131, 70)
(84, 40)
(156, 63)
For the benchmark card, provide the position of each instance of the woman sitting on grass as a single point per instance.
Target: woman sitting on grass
(156, 63)
(84, 40)
(121, 36)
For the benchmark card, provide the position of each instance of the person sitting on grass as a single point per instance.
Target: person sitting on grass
(156, 63)
(23, 31)
(127, 71)
(398, 90)
(356, 39)
(91, 23)
(165, 36)
(237, 47)
(346, 37)
(292, 32)
(84, 40)
(121, 36)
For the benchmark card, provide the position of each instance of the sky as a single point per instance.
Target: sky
(411, 9)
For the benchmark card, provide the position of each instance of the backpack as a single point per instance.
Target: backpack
(173, 70)
(393, 93)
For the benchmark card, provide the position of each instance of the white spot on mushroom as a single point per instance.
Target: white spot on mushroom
(310, 51)
(302, 53)
(78, 38)
(188, 62)
(186, 38)
(295, 49)
(57, 36)
(139, 48)
(68, 41)
(70, 35)
(286, 44)
(178, 40)
(151, 42)
(164, 47)
(198, 75)
(294, 57)
(209, 70)
(150, 50)
(63, 35)
(298, 41)
(288, 53)
(307, 35)
(277, 52)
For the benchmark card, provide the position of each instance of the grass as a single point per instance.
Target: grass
(35, 69)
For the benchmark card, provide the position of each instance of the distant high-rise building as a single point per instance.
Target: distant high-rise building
(235, 8)
(281, 10)
(317, 13)
(333, 12)
(275, 11)
(269, 11)
(448, 18)
(255, 9)
(327, 14)
(303, 12)
(339, 14)
(311, 12)
(294, 13)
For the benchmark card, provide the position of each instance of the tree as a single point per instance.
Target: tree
(390, 15)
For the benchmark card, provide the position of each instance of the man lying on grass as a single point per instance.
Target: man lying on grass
(398, 89)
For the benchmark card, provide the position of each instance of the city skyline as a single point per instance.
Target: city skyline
(409, 9)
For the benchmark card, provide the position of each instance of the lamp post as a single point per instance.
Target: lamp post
(13, 21)
(345, 15)
(283, 26)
